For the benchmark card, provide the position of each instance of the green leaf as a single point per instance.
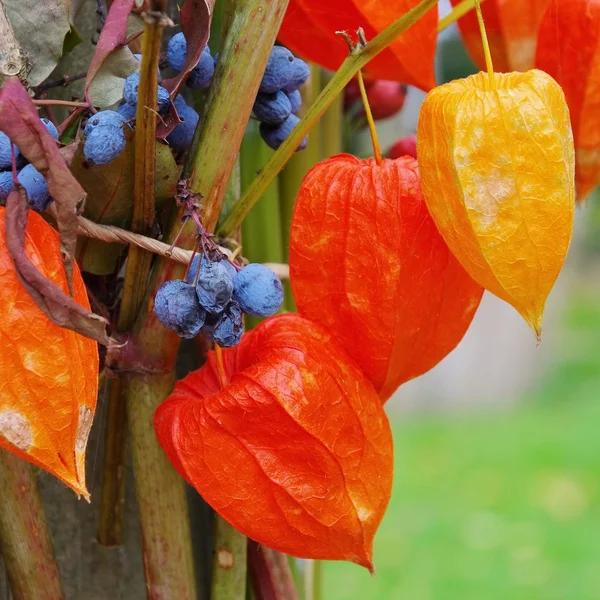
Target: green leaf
(106, 88)
(110, 199)
(72, 39)
(40, 27)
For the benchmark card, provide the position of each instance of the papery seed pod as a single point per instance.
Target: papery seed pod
(309, 30)
(367, 263)
(497, 172)
(47, 404)
(569, 50)
(295, 451)
(511, 26)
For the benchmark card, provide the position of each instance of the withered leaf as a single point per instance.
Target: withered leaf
(19, 120)
(60, 308)
(40, 27)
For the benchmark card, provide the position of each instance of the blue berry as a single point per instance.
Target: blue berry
(176, 51)
(176, 307)
(272, 109)
(200, 76)
(163, 99)
(6, 184)
(127, 111)
(258, 290)
(299, 74)
(103, 118)
(5, 156)
(274, 135)
(180, 103)
(278, 72)
(51, 128)
(104, 144)
(36, 187)
(214, 286)
(295, 99)
(228, 330)
(181, 136)
(194, 267)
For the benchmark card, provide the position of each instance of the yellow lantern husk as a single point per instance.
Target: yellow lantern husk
(497, 168)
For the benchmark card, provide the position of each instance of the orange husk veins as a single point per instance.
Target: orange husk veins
(367, 263)
(497, 173)
(309, 30)
(295, 452)
(511, 26)
(569, 50)
(48, 375)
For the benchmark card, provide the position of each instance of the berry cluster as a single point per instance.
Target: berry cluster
(278, 98)
(214, 296)
(28, 176)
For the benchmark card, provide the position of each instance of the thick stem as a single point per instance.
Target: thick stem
(25, 541)
(229, 562)
(348, 69)
(270, 574)
(160, 491)
(110, 529)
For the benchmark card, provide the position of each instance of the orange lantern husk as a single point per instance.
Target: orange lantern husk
(497, 171)
(295, 450)
(48, 374)
(512, 28)
(569, 50)
(309, 30)
(367, 263)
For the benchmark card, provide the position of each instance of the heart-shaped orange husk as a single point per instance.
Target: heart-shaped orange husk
(512, 29)
(309, 30)
(367, 263)
(497, 172)
(295, 451)
(48, 374)
(569, 50)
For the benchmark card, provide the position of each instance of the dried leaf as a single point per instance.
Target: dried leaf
(569, 50)
(512, 28)
(367, 263)
(111, 41)
(195, 16)
(47, 405)
(49, 297)
(295, 451)
(309, 30)
(110, 199)
(497, 172)
(40, 26)
(20, 121)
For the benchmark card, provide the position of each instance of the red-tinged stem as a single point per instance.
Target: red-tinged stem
(229, 562)
(270, 573)
(38, 102)
(25, 541)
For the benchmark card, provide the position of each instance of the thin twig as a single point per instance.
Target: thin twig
(61, 103)
(64, 81)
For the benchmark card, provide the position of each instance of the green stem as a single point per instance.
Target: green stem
(355, 61)
(25, 542)
(331, 123)
(229, 562)
(313, 580)
(160, 491)
(294, 172)
(110, 527)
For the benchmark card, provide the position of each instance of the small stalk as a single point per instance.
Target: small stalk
(370, 120)
(229, 562)
(270, 574)
(25, 542)
(355, 61)
(460, 10)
